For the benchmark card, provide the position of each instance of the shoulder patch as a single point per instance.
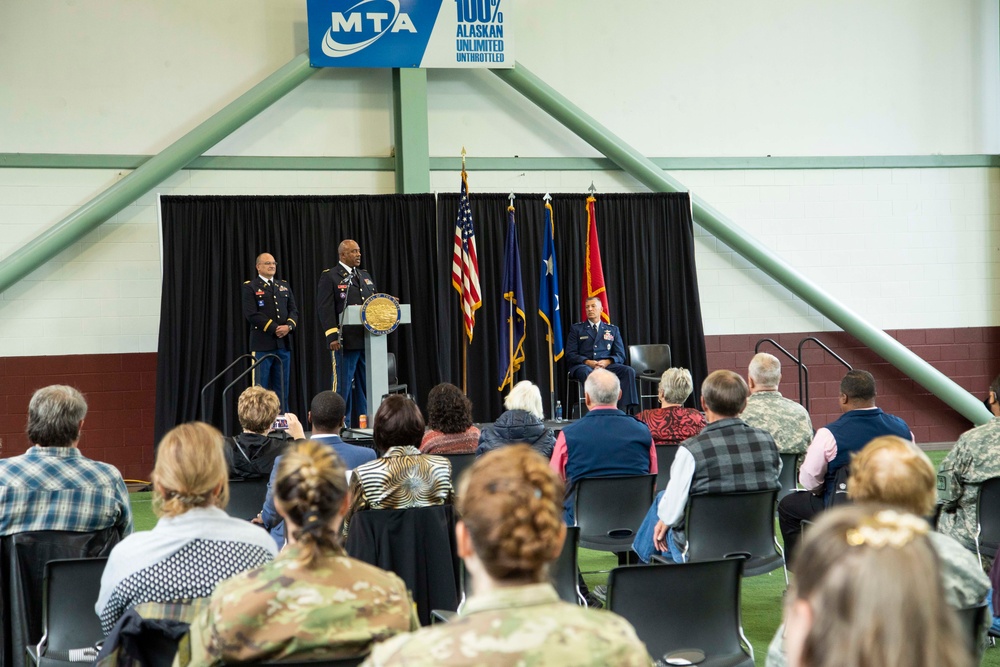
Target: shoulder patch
(325, 270)
(246, 282)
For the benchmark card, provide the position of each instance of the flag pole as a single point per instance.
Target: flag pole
(465, 335)
(552, 376)
(510, 319)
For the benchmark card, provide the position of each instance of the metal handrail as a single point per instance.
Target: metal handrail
(225, 413)
(796, 360)
(804, 372)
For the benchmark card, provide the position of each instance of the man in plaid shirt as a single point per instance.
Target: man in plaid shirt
(53, 486)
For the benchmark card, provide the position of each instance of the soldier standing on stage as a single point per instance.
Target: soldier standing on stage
(269, 307)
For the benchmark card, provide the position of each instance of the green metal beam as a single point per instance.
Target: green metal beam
(724, 229)
(175, 157)
(409, 101)
(334, 163)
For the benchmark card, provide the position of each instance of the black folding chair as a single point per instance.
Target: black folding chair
(459, 462)
(649, 362)
(246, 497)
(988, 511)
(70, 591)
(609, 510)
(725, 524)
(686, 606)
(665, 455)
(789, 477)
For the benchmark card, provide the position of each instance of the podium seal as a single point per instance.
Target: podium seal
(380, 314)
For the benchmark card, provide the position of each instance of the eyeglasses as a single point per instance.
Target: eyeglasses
(269, 263)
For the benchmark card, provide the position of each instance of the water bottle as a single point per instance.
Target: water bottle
(558, 411)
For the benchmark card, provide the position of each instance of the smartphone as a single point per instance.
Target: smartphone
(280, 423)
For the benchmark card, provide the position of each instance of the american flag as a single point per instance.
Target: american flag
(465, 264)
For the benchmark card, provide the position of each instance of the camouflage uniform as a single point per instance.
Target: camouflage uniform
(974, 459)
(522, 625)
(335, 609)
(787, 421)
(963, 581)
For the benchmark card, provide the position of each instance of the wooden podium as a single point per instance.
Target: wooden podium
(376, 354)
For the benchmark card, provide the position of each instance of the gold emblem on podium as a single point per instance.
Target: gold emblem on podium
(380, 314)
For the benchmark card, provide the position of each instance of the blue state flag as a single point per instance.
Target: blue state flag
(512, 309)
(548, 297)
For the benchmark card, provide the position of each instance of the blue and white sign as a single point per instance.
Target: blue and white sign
(410, 33)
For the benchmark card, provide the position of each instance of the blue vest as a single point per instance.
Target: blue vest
(606, 443)
(853, 431)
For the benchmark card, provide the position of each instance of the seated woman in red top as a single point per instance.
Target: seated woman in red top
(449, 422)
(672, 423)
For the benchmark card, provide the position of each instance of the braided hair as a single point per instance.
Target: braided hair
(310, 491)
(511, 504)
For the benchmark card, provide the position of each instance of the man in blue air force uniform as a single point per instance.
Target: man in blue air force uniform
(269, 307)
(595, 344)
(346, 284)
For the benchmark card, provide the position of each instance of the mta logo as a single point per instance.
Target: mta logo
(362, 25)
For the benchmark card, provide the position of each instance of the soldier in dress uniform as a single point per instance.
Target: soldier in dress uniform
(346, 284)
(595, 344)
(269, 307)
(974, 459)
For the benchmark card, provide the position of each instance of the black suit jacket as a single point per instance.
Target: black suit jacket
(583, 345)
(336, 289)
(266, 308)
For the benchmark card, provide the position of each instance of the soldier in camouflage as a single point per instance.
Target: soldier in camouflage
(974, 459)
(893, 471)
(312, 601)
(511, 528)
(787, 421)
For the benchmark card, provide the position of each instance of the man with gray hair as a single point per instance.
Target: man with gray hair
(605, 442)
(787, 421)
(53, 486)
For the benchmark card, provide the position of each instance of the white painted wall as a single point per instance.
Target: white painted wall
(905, 248)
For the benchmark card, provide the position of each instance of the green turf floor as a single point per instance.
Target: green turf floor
(761, 596)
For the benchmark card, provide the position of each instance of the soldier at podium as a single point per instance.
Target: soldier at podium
(346, 284)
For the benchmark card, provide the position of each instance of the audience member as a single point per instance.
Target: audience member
(894, 472)
(671, 423)
(729, 456)
(326, 415)
(830, 451)
(312, 602)
(449, 422)
(251, 454)
(401, 477)
(53, 486)
(787, 421)
(510, 530)
(194, 544)
(867, 592)
(605, 442)
(974, 459)
(523, 421)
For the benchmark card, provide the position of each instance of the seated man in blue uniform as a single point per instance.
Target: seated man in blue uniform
(595, 344)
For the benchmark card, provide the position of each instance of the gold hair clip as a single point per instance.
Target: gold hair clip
(887, 528)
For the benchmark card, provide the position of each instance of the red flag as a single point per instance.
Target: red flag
(464, 263)
(593, 273)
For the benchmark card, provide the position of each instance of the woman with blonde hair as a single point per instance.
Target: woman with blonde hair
(312, 601)
(672, 423)
(522, 422)
(511, 529)
(867, 593)
(195, 544)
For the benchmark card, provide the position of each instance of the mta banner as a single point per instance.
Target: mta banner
(410, 33)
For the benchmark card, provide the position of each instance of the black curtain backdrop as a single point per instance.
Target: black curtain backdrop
(210, 244)
(647, 248)
(209, 248)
